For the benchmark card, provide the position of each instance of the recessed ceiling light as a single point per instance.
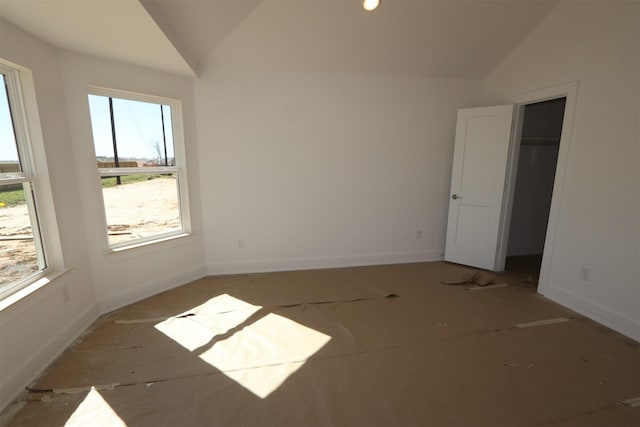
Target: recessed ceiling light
(370, 5)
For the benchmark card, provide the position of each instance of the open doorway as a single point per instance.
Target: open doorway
(536, 170)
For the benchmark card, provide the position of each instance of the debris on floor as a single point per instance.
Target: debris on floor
(542, 322)
(480, 278)
(517, 365)
(634, 402)
(495, 285)
(72, 390)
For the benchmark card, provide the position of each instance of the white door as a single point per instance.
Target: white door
(480, 156)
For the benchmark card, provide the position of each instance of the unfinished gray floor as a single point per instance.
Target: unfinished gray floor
(387, 345)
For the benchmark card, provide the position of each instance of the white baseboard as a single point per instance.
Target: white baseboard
(14, 382)
(263, 266)
(594, 311)
(146, 290)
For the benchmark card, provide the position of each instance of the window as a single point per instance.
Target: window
(22, 252)
(139, 156)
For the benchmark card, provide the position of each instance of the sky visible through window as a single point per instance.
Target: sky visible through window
(138, 126)
(8, 150)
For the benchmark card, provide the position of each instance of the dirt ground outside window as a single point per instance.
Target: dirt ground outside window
(159, 212)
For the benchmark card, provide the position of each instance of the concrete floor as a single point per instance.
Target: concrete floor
(385, 345)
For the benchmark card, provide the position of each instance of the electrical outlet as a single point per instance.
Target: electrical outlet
(585, 274)
(241, 244)
(419, 234)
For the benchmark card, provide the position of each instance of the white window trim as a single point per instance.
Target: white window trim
(26, 120)
(180, 169)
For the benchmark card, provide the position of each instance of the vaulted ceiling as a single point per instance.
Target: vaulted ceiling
(445, 38)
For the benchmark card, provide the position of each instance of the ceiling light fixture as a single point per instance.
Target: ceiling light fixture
(370, 5)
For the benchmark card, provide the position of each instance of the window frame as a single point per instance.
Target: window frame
(179, 168)
(33, 175)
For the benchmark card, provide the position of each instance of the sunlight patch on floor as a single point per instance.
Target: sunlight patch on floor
(259, 356)
(264, 380)
(264, 354)
(94, 411)
(196, 327)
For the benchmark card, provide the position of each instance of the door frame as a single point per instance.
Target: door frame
(569, 91)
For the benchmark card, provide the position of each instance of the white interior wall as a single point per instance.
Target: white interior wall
(307, 169)
(595, 43)
(121, 278)
(34, 330)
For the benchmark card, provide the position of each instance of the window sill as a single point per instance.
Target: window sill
(31, 288)
(148, 246)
